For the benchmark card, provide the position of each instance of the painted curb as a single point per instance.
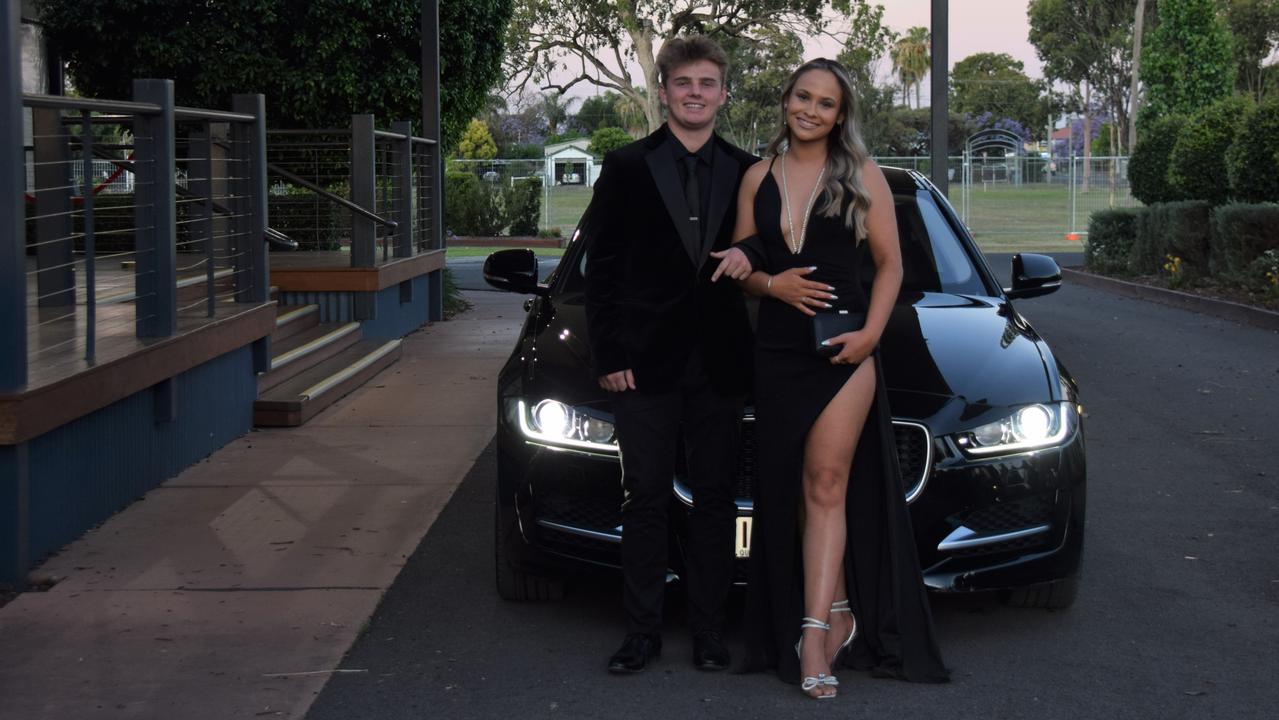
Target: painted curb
(1257, 317)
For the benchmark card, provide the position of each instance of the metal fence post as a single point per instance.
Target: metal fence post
(363, 191)
(55, 261)
(90, 254)
(254, 172)
(1074, 192)
(431, 129)
(404, 189)
(13, 182)
(155, 193)
(201, 183)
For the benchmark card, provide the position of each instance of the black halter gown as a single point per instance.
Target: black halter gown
(792, 387)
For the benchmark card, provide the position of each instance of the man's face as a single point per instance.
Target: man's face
(692, 94)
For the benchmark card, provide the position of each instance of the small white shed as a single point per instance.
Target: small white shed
(570, 163)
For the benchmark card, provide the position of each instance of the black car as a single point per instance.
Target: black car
(987, 422)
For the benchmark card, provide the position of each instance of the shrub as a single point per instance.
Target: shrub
(608, 139)
(1179, 230)
(471, 207)
(1240, 234)
(1252, 163)
(1111, 234)
(1263, 273)
(314, 222)
(522, 203)
(1197, 164)
(1148, 165)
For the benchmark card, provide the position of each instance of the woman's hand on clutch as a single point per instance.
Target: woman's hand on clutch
(733, 263)
(855, 347)
(792, 288)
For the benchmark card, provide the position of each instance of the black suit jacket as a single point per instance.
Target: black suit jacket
(649, 299)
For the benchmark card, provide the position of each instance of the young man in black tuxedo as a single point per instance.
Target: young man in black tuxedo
(672, 346)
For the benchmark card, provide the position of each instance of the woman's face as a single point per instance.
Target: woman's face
(813, 106)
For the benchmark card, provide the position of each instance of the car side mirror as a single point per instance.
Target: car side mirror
(514, 270)
(1033, 275)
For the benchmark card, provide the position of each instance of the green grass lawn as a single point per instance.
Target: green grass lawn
(456, 251)
(1003, 218)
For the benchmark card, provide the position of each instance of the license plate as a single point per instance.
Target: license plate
(742, 542)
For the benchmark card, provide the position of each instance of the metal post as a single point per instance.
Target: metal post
(1073, 192)
(363, 191)
(254, 171)
(201, 182)
(55, 261)
(13, 181)
(404, 189)
(90, 256)
(155, 280)
(940, 98)
(431, 129)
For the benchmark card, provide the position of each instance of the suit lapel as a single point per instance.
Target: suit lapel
(662, 166)
(723, 184)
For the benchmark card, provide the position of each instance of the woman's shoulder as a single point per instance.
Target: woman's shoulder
(754, 176)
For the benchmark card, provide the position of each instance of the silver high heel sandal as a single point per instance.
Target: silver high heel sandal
(811, 683)
(841, 606)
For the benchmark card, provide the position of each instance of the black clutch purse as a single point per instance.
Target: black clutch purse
(829, 324)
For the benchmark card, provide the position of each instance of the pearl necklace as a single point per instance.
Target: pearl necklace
(796, 245)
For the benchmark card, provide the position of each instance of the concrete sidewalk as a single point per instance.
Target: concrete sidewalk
(234, 589)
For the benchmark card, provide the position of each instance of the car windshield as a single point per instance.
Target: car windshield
(934, 258)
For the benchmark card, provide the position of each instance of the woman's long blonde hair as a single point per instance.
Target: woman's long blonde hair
(845, 154)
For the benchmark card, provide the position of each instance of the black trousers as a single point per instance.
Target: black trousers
(649, 427)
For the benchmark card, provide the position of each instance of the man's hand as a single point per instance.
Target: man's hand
(620, 381)
(732, 263)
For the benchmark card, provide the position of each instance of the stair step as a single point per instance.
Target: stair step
(300, 351)
(293, 319)
(294, 402)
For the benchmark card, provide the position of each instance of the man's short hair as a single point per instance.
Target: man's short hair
(681, 51)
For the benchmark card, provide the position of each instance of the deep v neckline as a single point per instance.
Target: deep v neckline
(781, 202)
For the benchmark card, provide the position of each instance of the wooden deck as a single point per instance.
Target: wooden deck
(332, 271)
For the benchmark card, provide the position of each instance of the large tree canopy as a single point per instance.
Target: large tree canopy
(560, 43)
(1187, 63)
(996, 83)
(317, 61)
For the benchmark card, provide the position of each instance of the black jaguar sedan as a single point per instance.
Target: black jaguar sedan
(987, 421)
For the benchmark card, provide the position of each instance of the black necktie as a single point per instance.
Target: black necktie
(691, 194)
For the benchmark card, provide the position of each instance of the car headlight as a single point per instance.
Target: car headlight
(554, 423)
(1028, 428)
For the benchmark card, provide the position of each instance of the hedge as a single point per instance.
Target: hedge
(1197, 163)
(1252, 163)
(1241, 233)
(1179, 229)
(471, 206)
(1111, 234)
(1148, 164)
(522, 206)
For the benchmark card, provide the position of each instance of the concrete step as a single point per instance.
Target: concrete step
(302, 350)
(295, 401)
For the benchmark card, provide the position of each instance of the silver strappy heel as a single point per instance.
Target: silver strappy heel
(811, 683)
(841, 606)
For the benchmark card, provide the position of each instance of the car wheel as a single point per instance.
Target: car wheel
(513, 582)
(1056, 595)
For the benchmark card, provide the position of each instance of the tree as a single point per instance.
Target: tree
(1087, 43)
(1253, 159)
(555, 110)
(995, 83)
(1255, 27)
(1197, 165)
(1186, 62)
(757, 72)
(594, 42)
(911, 60)
(599, 111)
(317, 61)
(608, 139)
(1148, 164)
(477, 143)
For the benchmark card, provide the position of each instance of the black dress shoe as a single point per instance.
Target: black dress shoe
(709, 651)
(636, 651)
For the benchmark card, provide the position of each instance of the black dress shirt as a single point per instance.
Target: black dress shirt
(704, 155)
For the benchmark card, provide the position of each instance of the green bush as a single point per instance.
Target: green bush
(471, 206)
(314, 222)
(1111, 234)
(1197, 164)
(1263, 273)
(1240, 234)
(608, 139)
(1148, 165)
(522, 203)
(1177, 229)
(1252, 162)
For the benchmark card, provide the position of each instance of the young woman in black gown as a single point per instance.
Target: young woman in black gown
(833, 558)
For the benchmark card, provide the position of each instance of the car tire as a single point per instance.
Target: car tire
(1056, 595)
(513, 582)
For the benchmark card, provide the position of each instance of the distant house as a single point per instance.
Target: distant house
(571, 163)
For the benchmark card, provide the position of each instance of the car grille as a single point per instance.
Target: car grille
(585, 513)
(1014, 515)
(912, 456)
(1022, 543)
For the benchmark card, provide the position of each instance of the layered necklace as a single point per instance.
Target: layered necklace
(796, 242)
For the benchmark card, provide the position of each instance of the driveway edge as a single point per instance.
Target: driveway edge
(1224, 309)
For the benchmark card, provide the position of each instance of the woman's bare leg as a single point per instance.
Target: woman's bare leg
(828, 457)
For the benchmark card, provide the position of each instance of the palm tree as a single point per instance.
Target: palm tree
(630, 111)
(555, 110)
(911, 59)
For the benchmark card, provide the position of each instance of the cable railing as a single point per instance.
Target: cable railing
(143, 219)
(357, 190)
